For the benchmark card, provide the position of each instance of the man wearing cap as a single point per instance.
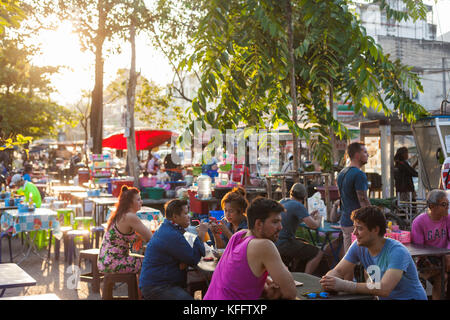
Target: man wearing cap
(294, 214)
(26, 188)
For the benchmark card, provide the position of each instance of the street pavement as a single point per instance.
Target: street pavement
(52, 276)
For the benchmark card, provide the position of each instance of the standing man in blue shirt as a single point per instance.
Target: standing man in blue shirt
(295, 213)
(164, 269)
(353, 185)
(391, 271)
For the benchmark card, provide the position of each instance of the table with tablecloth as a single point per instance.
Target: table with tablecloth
(31, 223)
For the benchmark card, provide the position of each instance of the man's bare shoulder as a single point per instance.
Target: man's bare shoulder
(261, 246)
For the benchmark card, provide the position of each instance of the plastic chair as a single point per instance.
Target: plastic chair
(65, 216)
(77, 209)
(84, 223)
(41, 240)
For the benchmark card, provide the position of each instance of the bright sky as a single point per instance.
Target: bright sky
(441, 11)
(61, 47)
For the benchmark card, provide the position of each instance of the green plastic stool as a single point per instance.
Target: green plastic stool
(41, 240)
(67, 215)
(83, 223)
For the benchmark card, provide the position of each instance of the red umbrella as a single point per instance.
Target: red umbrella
(145, 139)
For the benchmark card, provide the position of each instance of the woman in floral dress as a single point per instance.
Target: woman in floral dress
(123, 228)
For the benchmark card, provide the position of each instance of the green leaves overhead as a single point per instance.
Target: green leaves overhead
(10, 14)
(241, 53)
(33, 117)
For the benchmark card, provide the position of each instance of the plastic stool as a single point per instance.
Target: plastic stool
(65, 216)
(97, 236)
(7, 235)
(83, 223)
(94, 277)
(64, 231)
(41, 239)
(110, 279)
(70, 251)
(77, 209)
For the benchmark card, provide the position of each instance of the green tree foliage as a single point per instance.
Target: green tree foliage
(17, 74)
(10, 14)
(153, 103)
(171, 24)
(25, 106)
(34, 117)
(241, 49)
(98, 23)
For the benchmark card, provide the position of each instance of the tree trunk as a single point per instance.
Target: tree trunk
(97, 93)
(85, 127)
(293, 85)
(133, 164)
(334, 154)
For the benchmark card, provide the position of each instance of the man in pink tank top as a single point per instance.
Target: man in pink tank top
(250, 256)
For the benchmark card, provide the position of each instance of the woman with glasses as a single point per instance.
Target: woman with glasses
(432, 228)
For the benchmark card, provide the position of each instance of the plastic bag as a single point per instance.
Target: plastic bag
(316, 203)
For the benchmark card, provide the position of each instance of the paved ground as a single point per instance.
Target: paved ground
(51, 277)
(58, 278)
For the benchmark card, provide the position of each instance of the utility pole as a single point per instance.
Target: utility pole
(444, 85)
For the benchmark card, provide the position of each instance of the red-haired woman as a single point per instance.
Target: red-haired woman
(123, 228)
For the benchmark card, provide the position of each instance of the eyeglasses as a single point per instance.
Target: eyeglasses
(443, 204)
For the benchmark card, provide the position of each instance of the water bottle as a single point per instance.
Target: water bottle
(204, 187)
(223, 179)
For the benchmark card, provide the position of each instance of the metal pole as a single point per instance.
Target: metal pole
(443, 80)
